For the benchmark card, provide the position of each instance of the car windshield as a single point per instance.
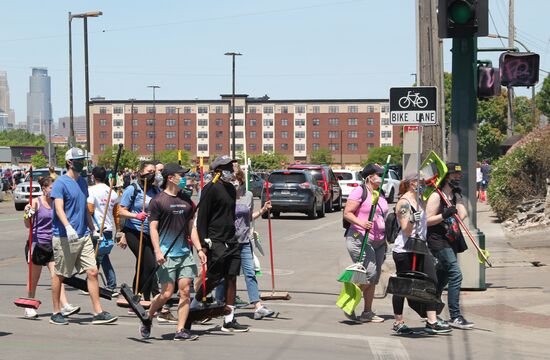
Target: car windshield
(343, 175)
(287, 178)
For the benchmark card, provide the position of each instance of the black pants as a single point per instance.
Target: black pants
(148, 264)
(425, 264)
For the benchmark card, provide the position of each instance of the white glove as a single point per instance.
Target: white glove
(415, 217)
(71, 233)
(95, 234)
(208, 242)
(29, 213)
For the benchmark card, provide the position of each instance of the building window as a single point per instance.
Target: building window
(385, 121)
(384, 108)
(370, 133)
(150, 147)
(134, 110)
(202, 109)
(150, 122)
(316, 109)
(300, 147)
(203, 147)
(316, 134)
(252, 147)
(299, 134)
(219, 110)
(186, 122)
(268, 110)
(187, 134)
(300, 122)
(370, 108)
(268, 147)
(219, 147)
(315, 122)
(170, 122)
(150, 134)
(370, 145)
(284, 109)
(202, 122)
(315, 146)
(386, 144)
(150, 110)
(300, 109)
(268, 134)
(333, 121)
(252, 110)
(103, 122)
(284, 146)
(284, 122)
(238, 134)
(352, 122)
(268, 122)
(135, 134)
(370, 121)
(239, 122)
(118, 110)
(170, 109)
(103, 110)
(239, 109)
(333, 147)
(284, 134)
(352, 134)
(187, 110)
(353, 108)
(103, 134)
(135, 147)
(333, 109)
(252, 122)
(386, 134)
(252, 134)
(219, 134)
(333, 134)
(118, 135)
(187, 147)
(202, 134)
(353, 146)
(170, 146)
(170, 134)
(134, 122)
(219, 122)
(101, 147)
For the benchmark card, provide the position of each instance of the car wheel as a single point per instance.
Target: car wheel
(276, 214)
(391, 197)
(321, 211)
(338, 206)
(20, 206)
(328, 205)
(312, 211)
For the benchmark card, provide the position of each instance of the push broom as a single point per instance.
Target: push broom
(29, 302)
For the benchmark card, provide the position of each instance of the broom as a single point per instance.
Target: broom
(356, 273)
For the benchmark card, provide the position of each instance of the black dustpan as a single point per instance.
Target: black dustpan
(414, 285)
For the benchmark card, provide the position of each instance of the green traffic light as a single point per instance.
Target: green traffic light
(460, 12)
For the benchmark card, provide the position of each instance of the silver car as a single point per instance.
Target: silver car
(22, 191)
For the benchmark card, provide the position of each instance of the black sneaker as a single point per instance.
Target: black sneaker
(234, 326)
(185, 335)
(460, 323)
(103, 318)
(145, 329)
(439, 327)
(402, 329)
(58, 319)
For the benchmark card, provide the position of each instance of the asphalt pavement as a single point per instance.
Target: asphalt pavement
(512, 316)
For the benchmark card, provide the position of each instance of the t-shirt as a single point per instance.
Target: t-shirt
(74, 195)
(216, 217)
(136, 208)
(98, 198)
(243, 215)
(173, 214)
(479, 175)
(377, 231)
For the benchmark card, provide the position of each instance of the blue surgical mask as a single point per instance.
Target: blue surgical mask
(182, 183)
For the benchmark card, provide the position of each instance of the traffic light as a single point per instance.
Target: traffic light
(488, 82)
(463, 18)
(519, 68)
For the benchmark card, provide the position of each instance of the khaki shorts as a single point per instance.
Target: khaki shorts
(78, 255)
(175, 268)
(374, 255)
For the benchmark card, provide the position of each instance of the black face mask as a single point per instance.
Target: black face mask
(149, 178)
(454, 183)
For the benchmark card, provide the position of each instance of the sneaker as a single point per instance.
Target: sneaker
(166, 318)
(369, 316)
(82, 292)
(234, 326)
(239, 303)
(145, 330)
(30, 313)
(69, 310)
(439, 327)
(402, 329)
(58, 319)
(103, 318)
(263, 312)
(351, 317)
(114, 292)
(460, 322)
(185, 335)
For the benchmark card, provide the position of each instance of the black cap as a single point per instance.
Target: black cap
(371, 169)
(99, 173)
(220, 161)
(173, 168)
(453, 168)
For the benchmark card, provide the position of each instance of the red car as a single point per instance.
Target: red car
(332, 193)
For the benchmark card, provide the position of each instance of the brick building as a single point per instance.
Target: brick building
(348, 127)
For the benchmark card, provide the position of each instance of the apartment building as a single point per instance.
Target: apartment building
(295, 128)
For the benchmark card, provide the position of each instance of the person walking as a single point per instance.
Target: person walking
(72, 244)
(171, 221)
(41, 213)
(412, 222)
(357, 214)
(443, 241)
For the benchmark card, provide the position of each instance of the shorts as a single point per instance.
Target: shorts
(375, 253)
(78, 255)
(223, 259)
(42, 254)
(178, 267)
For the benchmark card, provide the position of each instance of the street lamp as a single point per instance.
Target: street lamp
(154, 87)
(233, 54)
(132, 120)
(84, 16)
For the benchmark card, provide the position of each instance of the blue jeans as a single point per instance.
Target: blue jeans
(108, 270)
(247, 268)
(448, 273)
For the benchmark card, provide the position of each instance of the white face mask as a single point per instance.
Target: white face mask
(227, 176)
(158, 179)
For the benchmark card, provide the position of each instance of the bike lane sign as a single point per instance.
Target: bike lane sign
(413, 105)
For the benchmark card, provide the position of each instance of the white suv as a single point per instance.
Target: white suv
(348, 180)
(22, 191)
(391, 186)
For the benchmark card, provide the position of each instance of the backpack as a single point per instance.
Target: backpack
(131, 205)
(392, 227)
(346, 224)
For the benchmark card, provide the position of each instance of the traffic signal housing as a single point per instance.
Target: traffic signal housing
(488, 82)
(463, 18)
(519, 68)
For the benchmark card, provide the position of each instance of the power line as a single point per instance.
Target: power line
(496, 29)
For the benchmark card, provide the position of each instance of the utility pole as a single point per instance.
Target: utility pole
(511, 36)
(233, 150)
(154, 87)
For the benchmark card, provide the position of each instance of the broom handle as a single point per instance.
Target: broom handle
(136, 289)
(29, 287)
(203, 282)
(464, 228)
(268, 198)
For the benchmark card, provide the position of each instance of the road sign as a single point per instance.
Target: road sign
(413, 105)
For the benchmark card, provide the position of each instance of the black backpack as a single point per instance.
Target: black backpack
(346, 224)
(392, 227)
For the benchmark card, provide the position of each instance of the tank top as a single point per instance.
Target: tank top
(419, 228)
(42, 232)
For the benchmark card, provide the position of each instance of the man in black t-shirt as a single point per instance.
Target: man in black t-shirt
(443, 238)
(216, 228)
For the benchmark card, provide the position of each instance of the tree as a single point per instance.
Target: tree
(488, 141)
(268, 161)
(20, 137)
(543, 97)
(171, 156)
(380, 155)
(523, 115)
(128, 159)
(321, 156)
(494, 111)
(38, 160)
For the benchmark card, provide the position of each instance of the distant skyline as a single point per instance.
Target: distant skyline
(310, 49)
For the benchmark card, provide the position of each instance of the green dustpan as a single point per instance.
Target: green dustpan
(349, 298)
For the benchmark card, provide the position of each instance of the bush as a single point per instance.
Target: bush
(520, 175)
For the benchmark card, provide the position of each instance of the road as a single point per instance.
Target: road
(309, 255)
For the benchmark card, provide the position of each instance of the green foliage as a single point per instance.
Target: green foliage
(380, 155)
(20, 137)
(543, 97)
(321, 156)
(267, 161)
(171, 156)
(520, 175)
(494, 112)
(128, 159)
(523, 115)
(488, 141)
(38, 160)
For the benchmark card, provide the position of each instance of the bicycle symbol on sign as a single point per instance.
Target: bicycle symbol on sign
(413, 99)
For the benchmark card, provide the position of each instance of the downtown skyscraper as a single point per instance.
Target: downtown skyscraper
(39, 104)
(7, 115)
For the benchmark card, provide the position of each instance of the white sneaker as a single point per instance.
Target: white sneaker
(30, 313)
(369, 316)
(69, 310)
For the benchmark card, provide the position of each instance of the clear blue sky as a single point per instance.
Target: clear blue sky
(292, 49)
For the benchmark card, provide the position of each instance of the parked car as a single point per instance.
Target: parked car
(256, 185)
(22, 191)
(348, 180)
(294, 191)
(332, 193)
(391, 186)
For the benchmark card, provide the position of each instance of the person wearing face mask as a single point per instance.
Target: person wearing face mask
(72, 243)
(131, 205)
(158, 173)
(216, 228)
(357, 214)
(443, 233)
